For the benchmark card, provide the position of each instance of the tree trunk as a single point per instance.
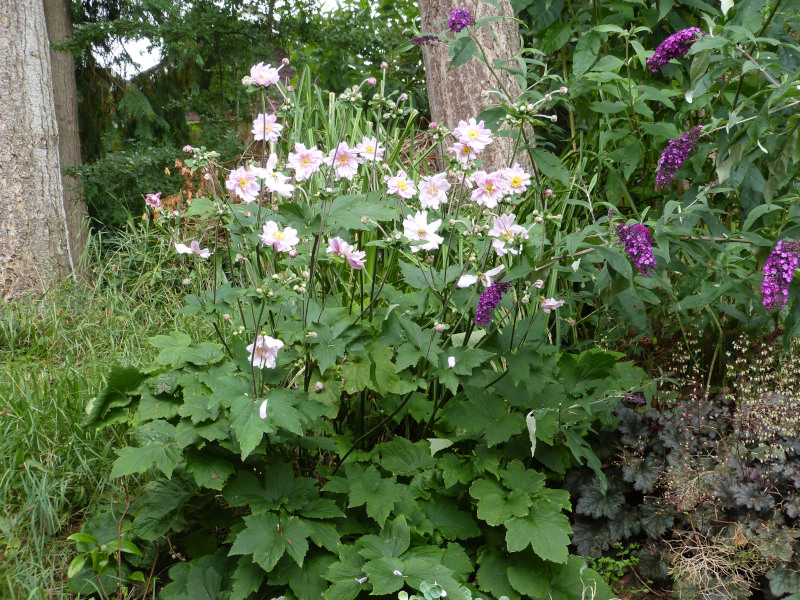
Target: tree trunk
(65, 93)
(457, 94)
(34, 247)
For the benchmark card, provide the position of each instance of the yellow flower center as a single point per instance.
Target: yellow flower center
(516, 181)
(421, 232)
(473, 134)
(432, 191)
(267, 127)
(370, 149)
(507, 235)
(343, 160)
(305, 161)
(280, 236)
(243, 182)
(489, 187)
(465, 150)
(402, 185)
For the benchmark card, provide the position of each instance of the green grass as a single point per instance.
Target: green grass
(54, 354)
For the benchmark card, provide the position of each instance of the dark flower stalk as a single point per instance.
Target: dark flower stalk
(459, 19)
(676, 45)
(490, 298)
(425, 40)
(778, 274)
(639, 245)
(674, 155)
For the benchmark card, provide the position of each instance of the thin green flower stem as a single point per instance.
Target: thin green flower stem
(252, 366)
(318, 235)
(373, 430)
(569, 104)
(380, 288)
(758, 35)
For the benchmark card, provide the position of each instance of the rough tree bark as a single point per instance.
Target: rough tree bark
(34, 247)
(458, 93)
(65, 93)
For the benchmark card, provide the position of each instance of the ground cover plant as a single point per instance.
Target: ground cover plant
(410, 374)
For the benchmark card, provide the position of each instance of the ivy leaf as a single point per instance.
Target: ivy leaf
(157, 448)
(546, 529)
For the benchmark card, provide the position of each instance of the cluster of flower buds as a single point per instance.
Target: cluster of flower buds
(351, 94)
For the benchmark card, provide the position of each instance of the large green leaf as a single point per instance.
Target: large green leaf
(157, 448)
(109, 404)
(546, 529)
(267, 537)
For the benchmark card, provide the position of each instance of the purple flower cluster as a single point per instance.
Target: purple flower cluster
(674, 155)
(489, 300)
(778, 274)
(676, 45)
(639, 246)
(425, 40)
(459, 19)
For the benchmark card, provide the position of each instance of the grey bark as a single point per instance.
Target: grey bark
(34, 247)
(458, 93)
(65, 93)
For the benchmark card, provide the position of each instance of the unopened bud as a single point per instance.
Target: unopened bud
(548, 192)
(292, 253)
(372, 81)
(439, 327)
(289, 88)
(318, 387)
(562, 90)
(384, 65)
(285, 61)
(403, 97)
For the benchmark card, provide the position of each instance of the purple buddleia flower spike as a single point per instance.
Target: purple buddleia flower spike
(488, 301)
(459, 19)
(778, 274)
(674, 155)
(639, 245)
(676, 45)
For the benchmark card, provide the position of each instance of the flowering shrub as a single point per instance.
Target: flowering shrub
(406, 355)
